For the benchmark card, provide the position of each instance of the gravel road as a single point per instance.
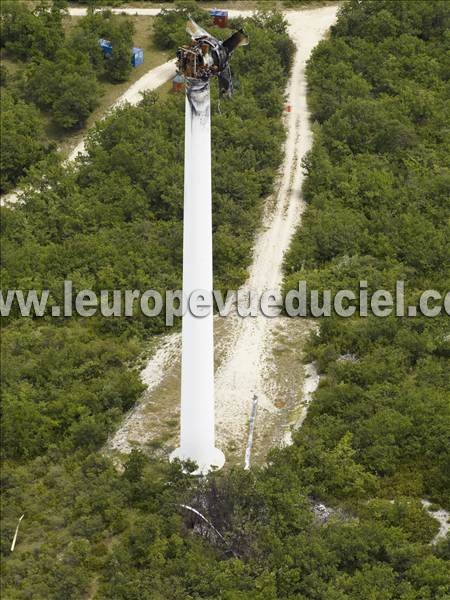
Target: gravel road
(242, 374)
(244, 371)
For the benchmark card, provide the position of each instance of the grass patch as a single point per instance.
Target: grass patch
(110, 92)
(153, 57)
(285, 377)
(165, 90)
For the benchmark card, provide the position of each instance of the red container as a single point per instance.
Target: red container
(220, 17)
(221, 21)
(177, 83)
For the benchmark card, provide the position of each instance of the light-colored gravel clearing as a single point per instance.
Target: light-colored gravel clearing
(246, 361)
(149, 81)
(241, 375)
(442, 516)
(135, 429)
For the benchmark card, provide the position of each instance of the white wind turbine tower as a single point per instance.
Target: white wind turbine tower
(204, 58)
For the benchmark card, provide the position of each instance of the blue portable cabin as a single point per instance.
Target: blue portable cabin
(137, 57)
(106, 46)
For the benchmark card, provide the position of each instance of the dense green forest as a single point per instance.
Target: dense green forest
(374, 441)
(113, 221)
(52, 74)
(378, 188)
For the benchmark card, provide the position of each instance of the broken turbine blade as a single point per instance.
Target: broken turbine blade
(234, 41)
(225, 82)
(206, 57)
(195, 31)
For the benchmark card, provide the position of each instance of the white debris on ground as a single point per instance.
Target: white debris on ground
(241, 375)
(347, 358)
(310, 385)
(248, 450)
(322, 512)
(443, 518)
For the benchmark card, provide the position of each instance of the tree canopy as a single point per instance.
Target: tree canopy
(335, 516)
(60, 71)
(377, 189)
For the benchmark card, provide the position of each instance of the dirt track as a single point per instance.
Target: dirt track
(149, 81)
(243, 372)
(246, 358)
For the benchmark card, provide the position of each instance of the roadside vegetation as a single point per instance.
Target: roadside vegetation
(115, 222)
(377, 192)
(56, 80)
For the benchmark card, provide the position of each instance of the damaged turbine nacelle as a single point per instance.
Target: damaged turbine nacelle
(208, 57)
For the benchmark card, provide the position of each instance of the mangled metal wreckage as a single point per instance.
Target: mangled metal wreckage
(207, 57)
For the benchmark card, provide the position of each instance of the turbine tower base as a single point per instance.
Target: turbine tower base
(209, 460)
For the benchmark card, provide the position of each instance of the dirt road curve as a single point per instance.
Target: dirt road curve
(149, 81)
(242, 374)
(245, 365)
